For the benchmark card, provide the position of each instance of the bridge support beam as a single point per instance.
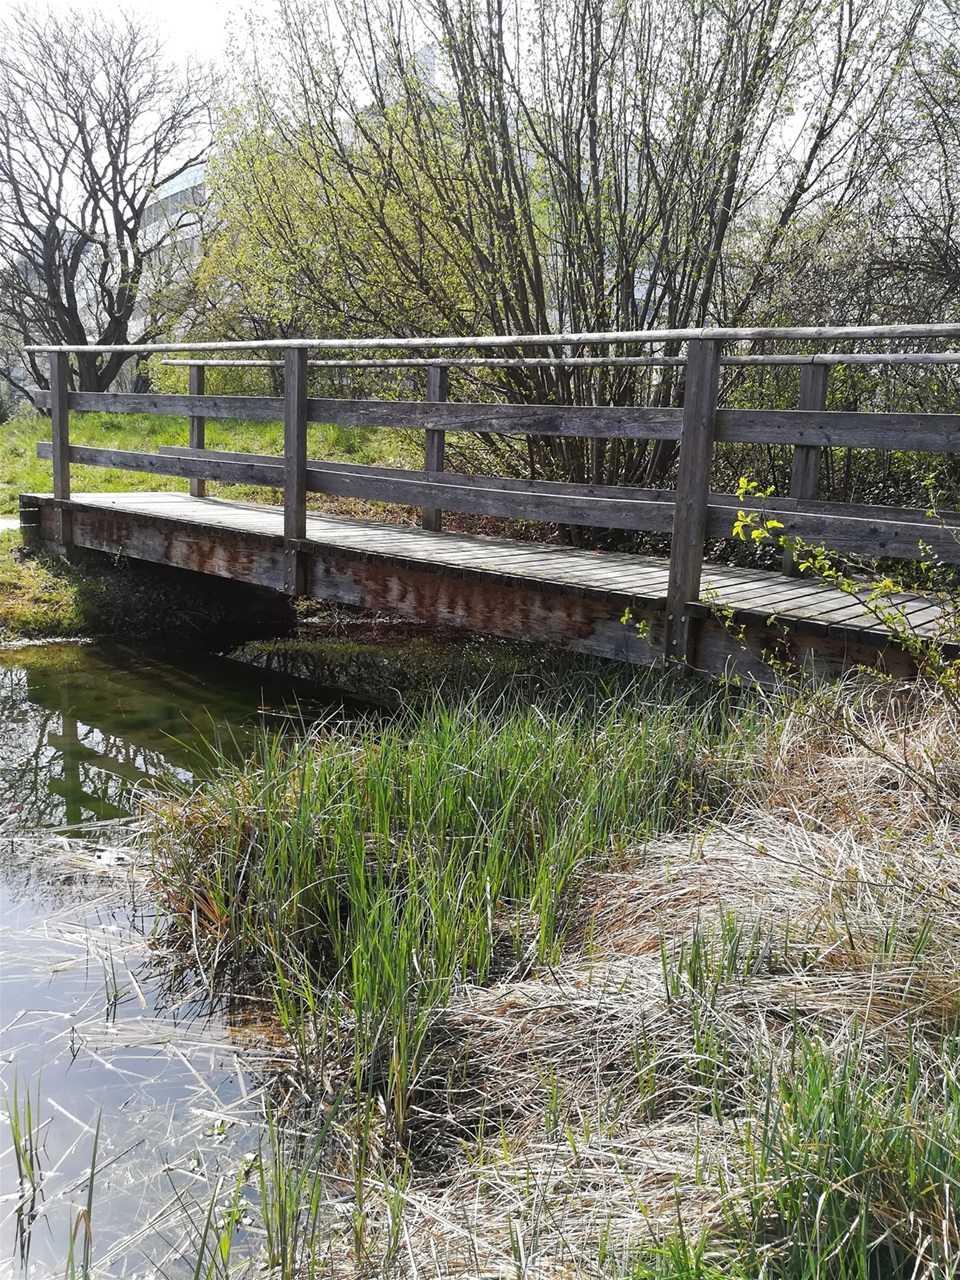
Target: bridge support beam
(295, 468)
(434, 440)
(805, 471)
(693, 491)
(197, 425)
(60, 431)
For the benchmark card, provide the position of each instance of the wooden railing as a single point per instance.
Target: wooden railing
(692, 514)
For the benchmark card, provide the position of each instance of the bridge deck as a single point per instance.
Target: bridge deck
(752, 597)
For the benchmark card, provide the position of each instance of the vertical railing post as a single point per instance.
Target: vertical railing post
(60, 432)
(198, 488)
(294, 467)
(805, 471)
(435, 440)
(693, 492)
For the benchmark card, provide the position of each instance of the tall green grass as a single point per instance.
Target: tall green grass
(22, 472)
(853, 1167)
(386, 864)
(843, 1169)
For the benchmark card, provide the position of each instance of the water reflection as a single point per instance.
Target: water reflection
(103, 1043)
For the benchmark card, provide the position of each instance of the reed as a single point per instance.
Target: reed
(26, 1130)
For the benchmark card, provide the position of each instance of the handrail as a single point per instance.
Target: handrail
(803, 333)
(578, 362)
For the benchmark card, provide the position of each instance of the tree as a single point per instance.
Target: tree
(577, 165)
(94, 125)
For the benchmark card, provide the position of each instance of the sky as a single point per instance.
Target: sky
(197, 28)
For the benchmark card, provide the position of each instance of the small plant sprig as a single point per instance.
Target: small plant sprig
(755, 525)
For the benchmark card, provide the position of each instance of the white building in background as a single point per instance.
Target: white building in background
(180, 200)
(174, 215)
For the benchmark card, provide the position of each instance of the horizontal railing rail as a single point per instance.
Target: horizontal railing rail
(486, 342)
(897, 532)
(920, 432)
(692, 513)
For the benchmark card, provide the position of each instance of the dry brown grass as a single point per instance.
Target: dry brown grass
(567, 1122)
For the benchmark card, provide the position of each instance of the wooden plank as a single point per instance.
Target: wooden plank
(936, 432)
(441, 490)
(550, 487)
(718, 528)
(924, 432)
(295, 465)
(60, 446)
(434, 441)
(693, 486)
(805, 466)
(872, 537)
(197, 424)
(861, 510)
(161, 464)
(773, 504)
(606, 422)
(760, 603)
(245, 408)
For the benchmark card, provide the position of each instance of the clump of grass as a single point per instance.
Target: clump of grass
(26, 1129)
(853, 1167)
(878, 759)
(643, 987)
(393, 863)
(37, 600)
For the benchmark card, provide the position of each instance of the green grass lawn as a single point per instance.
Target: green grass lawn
(22, 472)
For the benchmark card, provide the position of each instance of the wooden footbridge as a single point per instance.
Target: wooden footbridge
(713, 618)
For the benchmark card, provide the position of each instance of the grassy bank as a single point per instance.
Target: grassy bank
(654, 984)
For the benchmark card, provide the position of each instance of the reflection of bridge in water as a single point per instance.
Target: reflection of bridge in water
(83, 726)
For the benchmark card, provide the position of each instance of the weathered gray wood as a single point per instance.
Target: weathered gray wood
(201, 466)
(936, 432)
(295, 465)
(559, 488)
(872, 531)
(486, 341)
(247, 408)
(386, 566)
(549, 487)
(924, 432)
(641, 423)
(873, 537)
(860, 510)
(60, 432)
(434, 441)
(693, 487)
(805, 468)
(504, 419)
(197, 426)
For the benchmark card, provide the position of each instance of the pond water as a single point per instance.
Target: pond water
(111, 1059)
